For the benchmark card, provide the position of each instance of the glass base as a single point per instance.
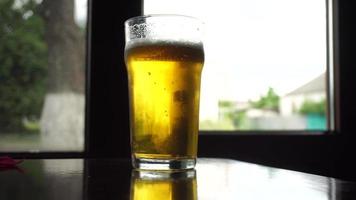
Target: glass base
(163, 164)
(153, 175)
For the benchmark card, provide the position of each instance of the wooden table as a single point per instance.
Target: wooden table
(220, 179)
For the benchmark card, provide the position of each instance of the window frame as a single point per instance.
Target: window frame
(107, 120)
(136, 8)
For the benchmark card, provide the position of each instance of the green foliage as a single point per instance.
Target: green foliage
(270, 101)
(236, 118)
(313, 107)
(226, 104)
(22, 64)
(240, 120)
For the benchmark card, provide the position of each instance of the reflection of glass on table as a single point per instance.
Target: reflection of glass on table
(153, 185)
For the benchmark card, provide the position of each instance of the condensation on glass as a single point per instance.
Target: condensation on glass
(42, 79)
(265, 62)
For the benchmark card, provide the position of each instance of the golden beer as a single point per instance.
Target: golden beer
(164, 87)
(178, 188)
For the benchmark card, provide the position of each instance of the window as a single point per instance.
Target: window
(107, 132)
(42, 75)
(265, 62)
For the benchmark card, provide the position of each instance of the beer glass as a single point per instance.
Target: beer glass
(164, 58)
(153, 185)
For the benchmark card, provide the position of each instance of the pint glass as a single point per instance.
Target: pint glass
(164, 58)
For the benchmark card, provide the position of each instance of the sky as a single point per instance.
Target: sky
(80, 12)
(251, 45)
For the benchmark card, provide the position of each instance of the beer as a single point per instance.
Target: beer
(164, 87)
(165, 188)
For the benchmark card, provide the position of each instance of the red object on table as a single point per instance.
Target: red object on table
(8, 163)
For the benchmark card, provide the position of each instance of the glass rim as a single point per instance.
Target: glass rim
(142, 17)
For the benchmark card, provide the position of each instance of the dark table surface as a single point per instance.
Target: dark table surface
(105, 179)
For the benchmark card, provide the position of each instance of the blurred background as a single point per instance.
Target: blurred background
(264, 68)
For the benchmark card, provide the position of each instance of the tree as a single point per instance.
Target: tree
(313, 107)
(65, 47)
(23, 57)
(62, 119)
(270, 101)
(237, 118)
